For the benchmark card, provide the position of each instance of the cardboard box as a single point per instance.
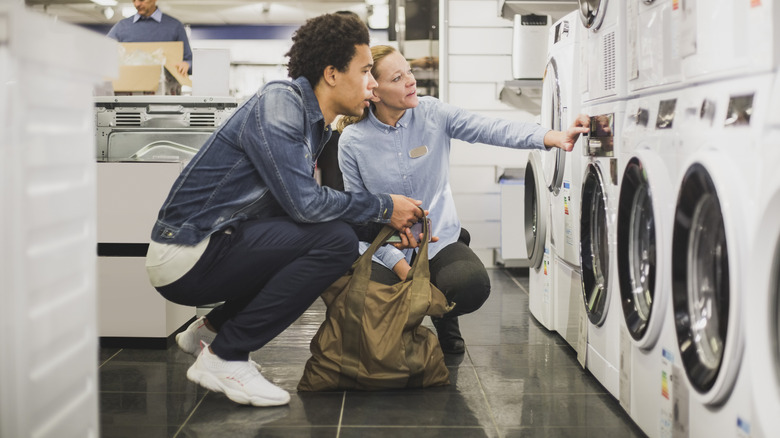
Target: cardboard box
(146, 78)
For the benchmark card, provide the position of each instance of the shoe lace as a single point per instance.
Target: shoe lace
(244, 374)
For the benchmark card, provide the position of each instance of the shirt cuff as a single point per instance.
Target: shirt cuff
(538, 139)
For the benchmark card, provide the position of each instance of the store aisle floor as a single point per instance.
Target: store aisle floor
(515, 380)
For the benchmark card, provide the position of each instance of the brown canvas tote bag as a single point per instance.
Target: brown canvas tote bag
(371, 338)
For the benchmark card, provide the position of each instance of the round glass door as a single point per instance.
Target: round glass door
(553, 160)
(536, 204)
(775, 306)
(594, 246)
(700, 278)
(636, 249)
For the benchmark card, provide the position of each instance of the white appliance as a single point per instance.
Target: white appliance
(650, 169)
(605, 45)
(598, 242)
(537, 239)
(653, 44)
(714, 226)
(721, 39)
(763, 275)
(529, 45)
(563, 171)
(48, 370)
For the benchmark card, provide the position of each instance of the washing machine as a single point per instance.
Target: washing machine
(562, 170)
(763, 324)
(712, 233)
(598, 241)
(604, 43)
(650, 156)
(653, 51)
(721, 39)
(541, 300)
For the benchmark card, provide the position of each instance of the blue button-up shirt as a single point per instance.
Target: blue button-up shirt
(412, 159)
(259, 164)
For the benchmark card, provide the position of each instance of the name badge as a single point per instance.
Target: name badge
(418, 151)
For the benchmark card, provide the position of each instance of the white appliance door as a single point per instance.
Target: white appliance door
(536, 209)
(594, 245)
(551, 118)
(700, 279)
(637, 258)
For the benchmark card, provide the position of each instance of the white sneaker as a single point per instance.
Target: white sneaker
(189, 340)
(240, 381)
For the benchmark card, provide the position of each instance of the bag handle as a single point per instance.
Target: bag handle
(354, 305)
(381, 239)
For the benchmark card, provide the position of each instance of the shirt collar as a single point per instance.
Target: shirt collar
(156, 16)
(310, 100)
(403, 122)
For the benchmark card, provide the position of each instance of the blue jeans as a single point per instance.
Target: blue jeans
(267, 272)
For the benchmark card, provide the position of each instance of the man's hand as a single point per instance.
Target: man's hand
(406, 211)
(566, 139)
(182, 67)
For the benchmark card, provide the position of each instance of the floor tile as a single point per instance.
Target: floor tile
(517, 379)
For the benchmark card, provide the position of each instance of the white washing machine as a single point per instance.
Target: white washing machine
(604, 43)
(713, 229)
(763, 324)
(653, 51)
(562, 170)
(650, 154)
(598, 242)
(721, 39)
(541, 300)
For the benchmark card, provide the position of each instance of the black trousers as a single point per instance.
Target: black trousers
(456, 271)
(267, 272)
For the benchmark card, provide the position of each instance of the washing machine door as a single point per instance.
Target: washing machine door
(639, 247)
(552, 114)
(700, 278)
(594, 245)
(592, 13)
(536, 209)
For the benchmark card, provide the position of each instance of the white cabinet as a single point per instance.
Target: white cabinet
(131, 311)
(49, 342)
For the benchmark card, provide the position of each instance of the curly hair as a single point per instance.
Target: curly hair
(329, 39)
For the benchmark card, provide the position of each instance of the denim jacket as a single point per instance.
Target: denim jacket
(259, 164)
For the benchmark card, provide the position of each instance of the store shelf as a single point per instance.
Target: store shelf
(523, 83)
(555, 8)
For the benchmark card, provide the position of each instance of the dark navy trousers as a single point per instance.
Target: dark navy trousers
(267, 272)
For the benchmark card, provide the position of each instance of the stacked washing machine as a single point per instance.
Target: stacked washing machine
(678, 205)
(603, 93)
(545, 180)
(563, 63)
(683, 267)
(763, 276)
(649, 163)
(728, 61)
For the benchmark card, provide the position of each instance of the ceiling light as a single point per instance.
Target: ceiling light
(105, 2)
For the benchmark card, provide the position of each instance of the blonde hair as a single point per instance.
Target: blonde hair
(378, 53)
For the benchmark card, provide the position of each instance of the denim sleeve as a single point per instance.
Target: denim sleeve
(274, 139)
(475, 128)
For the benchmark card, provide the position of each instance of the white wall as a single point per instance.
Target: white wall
(477, 59)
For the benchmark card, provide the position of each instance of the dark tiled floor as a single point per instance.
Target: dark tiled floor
(515, 380)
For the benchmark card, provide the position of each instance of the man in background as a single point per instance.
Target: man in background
(150, 25)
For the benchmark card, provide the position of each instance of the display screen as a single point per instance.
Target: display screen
(601, 126)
